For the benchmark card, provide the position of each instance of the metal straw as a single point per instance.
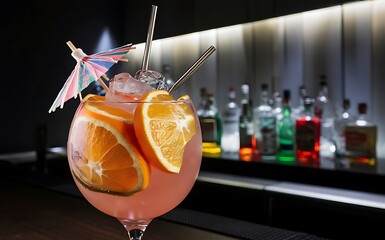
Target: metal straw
(192, 69)
(147, 49)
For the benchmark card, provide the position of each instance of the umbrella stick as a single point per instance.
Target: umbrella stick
(105, 77)
(104, 86)
(71, 46)
(147, 49)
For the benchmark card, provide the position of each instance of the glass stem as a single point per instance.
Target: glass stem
(135, 234)
(135, 229)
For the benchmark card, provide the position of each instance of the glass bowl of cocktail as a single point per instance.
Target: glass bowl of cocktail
(134, 153)
(137, 159)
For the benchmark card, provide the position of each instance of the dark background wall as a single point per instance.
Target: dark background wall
(36, 61)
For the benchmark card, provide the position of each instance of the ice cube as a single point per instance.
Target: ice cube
(152, 78)
(123, 87)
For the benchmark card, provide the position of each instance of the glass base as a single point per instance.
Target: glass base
(135, 229)
(135, 234)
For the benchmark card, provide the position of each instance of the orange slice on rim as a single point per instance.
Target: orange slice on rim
(105, 152)
(163, 126)
(94, 97)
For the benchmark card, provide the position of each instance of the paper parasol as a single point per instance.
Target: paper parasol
(89, 68)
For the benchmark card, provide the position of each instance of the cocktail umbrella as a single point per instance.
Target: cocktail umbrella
(89, 68)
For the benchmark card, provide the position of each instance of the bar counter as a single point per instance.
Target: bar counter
(32, 212)
(46, 204)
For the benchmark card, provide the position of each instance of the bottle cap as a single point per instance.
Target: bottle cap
(203, 91)
(166, 67)
(323, 83)
(362, 107)
(245, 88)
(302, 91)
(264, 87)
(286, 94)
(231, 92)
(346, 103)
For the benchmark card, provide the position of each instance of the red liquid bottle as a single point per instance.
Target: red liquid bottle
(308, 130)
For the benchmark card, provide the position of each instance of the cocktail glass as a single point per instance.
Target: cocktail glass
(135, 160)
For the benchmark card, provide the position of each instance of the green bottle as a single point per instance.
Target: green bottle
(286, 131)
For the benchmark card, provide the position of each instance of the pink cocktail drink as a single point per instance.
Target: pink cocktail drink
(135, 160)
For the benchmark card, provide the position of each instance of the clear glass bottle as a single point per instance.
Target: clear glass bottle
(230, 117)
(343, 118)
(302, 93)
(211, 124)
(286, 131)
(361, 136)
(324, 110)
(278, 108)
(265, 126)
(307, 135)
(247, 143)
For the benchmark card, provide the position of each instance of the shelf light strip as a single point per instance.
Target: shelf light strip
(331, 194)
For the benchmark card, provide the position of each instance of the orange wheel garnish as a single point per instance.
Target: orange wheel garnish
(163, 129)
(94, 97)
(107, 155)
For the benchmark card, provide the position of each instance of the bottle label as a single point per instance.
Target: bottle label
(306, 136)
(286, 134)
(361, 141)
(231, 116)
(209, 129)
(268, 135)
(246, 135)
(268, 141)
(230, 121)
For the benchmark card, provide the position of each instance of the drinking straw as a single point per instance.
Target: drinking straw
(73, 48)
(150, 33)
(192, 69)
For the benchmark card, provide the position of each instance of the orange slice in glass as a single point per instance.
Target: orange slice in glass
(106, 154)
(163, 129)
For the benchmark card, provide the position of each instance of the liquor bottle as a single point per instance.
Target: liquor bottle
(211, 124)
(286, 131)
(324, 110)
(265, 122)
(307, 135)
(302, 93)
(230, 117)
(202, 107)
(247, 143)
(278, 108)
(343, 118)
(361, 136)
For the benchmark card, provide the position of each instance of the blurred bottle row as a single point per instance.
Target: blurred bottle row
(274, 129)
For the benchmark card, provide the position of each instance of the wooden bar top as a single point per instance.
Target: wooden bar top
(44, 205)
(33, 212)
(30, 212)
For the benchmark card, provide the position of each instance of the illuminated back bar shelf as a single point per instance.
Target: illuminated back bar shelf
(345, 42)
(339, 198)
